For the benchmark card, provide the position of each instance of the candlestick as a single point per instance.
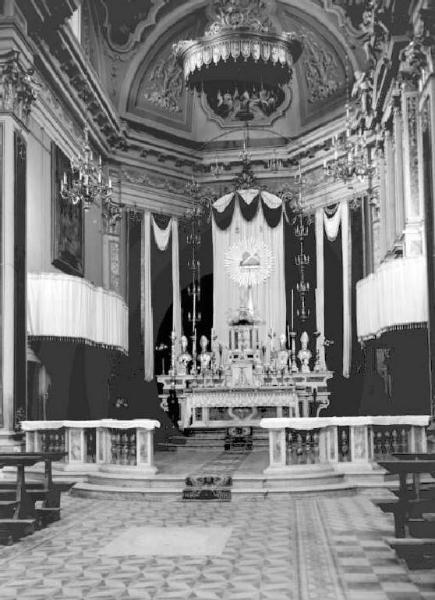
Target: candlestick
(294, 366)
(292, 313)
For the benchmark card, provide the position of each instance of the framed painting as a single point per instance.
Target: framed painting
(67, 219)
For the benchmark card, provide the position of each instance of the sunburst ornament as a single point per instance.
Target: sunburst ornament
(249, 262)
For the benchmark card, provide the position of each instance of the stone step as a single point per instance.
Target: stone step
(88, 490)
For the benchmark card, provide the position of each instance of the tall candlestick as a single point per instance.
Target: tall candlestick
(292, 312)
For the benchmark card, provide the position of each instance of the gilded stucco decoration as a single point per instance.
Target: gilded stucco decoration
(320, 68)
(164, 85)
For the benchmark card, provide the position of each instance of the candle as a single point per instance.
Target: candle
(64, 178)
(292, 312)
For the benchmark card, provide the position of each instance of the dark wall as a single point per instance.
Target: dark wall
(406, 365)
(79, 377)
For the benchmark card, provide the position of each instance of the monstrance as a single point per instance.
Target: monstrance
(248, 263)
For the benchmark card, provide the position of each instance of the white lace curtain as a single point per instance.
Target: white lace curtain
(269, 297)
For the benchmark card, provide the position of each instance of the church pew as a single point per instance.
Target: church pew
(19, 514)
(414, 508)
(410, 500)
(419, 553)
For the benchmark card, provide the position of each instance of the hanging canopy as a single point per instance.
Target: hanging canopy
(249, 202)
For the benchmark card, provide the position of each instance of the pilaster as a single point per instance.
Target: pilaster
(17, 93)
(398, 167)
(413, 232)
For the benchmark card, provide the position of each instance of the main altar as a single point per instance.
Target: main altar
(241, 384)
(254, 363)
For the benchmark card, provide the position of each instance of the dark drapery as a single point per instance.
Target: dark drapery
(248, 210)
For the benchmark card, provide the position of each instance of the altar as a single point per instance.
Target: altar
(240, 385)
(256, 362)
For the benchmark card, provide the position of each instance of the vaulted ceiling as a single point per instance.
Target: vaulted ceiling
(130, 46)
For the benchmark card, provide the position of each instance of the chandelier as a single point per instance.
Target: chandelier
(200, 203)
(86, 184)
(240, 62)
(350, 155)
(301, 223)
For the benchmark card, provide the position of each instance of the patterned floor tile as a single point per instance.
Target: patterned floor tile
(315, 548)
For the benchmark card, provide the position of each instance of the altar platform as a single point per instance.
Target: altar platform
(291, 456)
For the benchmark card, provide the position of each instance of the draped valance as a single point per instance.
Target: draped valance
(393, 298)
(249, 202)
(64, 307)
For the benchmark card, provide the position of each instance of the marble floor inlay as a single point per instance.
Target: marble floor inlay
(281, 548)
(169, 541)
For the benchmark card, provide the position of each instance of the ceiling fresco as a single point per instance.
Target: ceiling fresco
(146, 84)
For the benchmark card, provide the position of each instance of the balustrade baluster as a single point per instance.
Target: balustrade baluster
(344, 444)
(394, 440)
(115, 442)
(299, 447)
(308, 447)
(91, 445)
(132, 447)
(316, 447)
(124, 448)
(378, 443)
(291, 447)
(387, 442)
(405, 440)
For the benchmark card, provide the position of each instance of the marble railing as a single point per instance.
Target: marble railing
(345, 442)
(107, 444)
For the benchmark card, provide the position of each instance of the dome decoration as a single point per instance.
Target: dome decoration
(241, 62)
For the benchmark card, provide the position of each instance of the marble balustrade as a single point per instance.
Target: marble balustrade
(106, 444)
(345, 442)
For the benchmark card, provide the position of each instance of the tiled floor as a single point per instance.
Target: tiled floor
(313, 548)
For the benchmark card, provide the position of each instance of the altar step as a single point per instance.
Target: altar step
(302, 480)
(198, 439)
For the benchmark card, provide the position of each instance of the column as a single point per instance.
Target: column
(380, 159)
(389, 215)
(16, 98)
(413, 243)
(427, 178)
(398, 168)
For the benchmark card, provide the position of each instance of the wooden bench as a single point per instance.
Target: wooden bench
(18, 514)
(414, 509)
(409, 498)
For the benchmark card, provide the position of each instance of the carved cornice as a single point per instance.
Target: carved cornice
(45, 15)
(83, 91)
